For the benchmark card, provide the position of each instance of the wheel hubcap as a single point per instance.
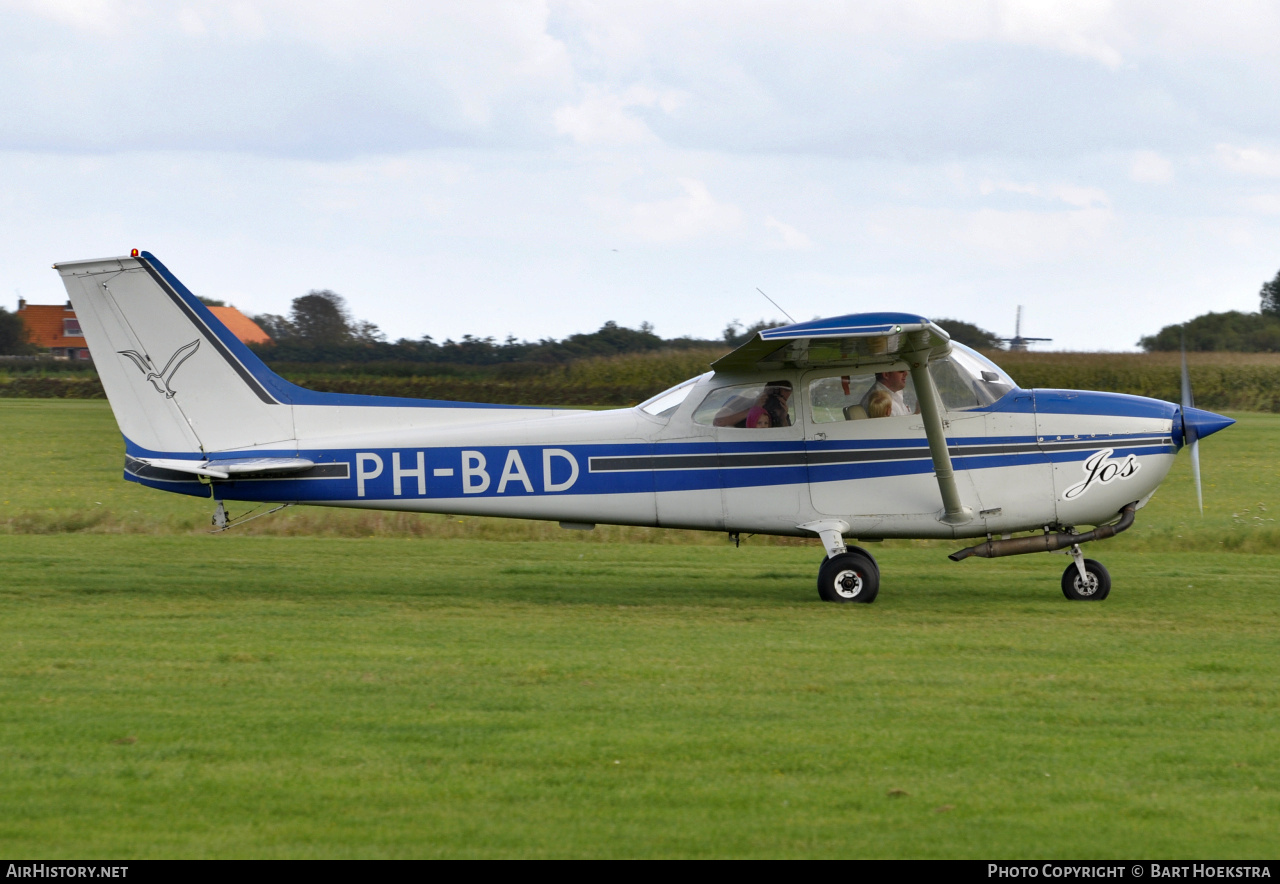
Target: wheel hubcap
(848, 584)
(1088, 586)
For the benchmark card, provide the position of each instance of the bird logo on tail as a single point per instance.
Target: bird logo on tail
(164, 375)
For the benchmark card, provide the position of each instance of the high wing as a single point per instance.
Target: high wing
(861, 340)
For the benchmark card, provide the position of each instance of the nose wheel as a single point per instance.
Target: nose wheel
(1094, 585)
(849, 577)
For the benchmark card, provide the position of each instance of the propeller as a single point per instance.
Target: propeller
(1190, 432)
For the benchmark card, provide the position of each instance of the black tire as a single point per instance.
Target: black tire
(866, 555)
(1096, 589)
(849, 577)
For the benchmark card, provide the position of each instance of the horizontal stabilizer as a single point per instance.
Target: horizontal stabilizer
(225, 469)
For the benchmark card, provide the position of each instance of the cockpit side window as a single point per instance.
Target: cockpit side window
(666, 402)
(852, 397)
(757, 406)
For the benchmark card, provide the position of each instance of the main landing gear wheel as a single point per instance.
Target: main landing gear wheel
(849, 577)
(1095, 588)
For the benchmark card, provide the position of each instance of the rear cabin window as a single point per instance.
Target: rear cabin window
(748, 406)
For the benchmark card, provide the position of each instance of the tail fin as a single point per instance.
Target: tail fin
(178, 381)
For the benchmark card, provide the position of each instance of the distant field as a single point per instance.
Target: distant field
(409, 687)
(1222, 381)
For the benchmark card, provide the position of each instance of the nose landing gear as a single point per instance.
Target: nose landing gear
(1085, 579)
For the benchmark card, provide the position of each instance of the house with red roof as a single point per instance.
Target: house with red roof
(55, 329)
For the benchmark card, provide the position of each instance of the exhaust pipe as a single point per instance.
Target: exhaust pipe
(1017, 546)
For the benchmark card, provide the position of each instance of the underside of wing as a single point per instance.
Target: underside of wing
(874, 340)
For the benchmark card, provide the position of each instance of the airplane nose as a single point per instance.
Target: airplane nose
(1203, 423)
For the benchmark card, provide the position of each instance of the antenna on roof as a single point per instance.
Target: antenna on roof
(774, 303)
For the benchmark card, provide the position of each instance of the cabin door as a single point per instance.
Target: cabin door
(860, 466)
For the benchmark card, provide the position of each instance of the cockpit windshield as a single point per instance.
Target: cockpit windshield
(988, 381)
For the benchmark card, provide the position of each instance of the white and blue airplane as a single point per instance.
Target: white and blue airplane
(777, 438)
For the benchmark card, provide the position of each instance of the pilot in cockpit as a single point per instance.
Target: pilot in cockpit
(884, 399)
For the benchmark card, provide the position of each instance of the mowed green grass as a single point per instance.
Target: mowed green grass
(184, 694)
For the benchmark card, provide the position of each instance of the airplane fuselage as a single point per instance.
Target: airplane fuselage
(867, 426)
(1033, 458)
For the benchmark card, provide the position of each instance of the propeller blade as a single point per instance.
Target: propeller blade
(1195, 471)
(1189, 433)
(1186, 379)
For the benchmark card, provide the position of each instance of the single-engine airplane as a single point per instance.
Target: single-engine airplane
(777, 438)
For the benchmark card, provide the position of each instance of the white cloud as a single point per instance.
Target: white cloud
(1263, 203)
(1249, 160)
(601, 118)
(99, 16)
(1071, 194)
(1076, 28)
(1149, 167)
(694, 215)
(482, 151)
(788, 236)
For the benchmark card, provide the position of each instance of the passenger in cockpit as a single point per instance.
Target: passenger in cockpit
(879, 404)
(771, 410)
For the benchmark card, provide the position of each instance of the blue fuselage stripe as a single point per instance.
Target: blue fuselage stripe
(526, 470)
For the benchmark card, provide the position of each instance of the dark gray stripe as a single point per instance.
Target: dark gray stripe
(1099, 444)
(826, 458)
(319, 471)
(213, 339)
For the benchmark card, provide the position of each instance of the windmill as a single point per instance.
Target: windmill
(1018, 343)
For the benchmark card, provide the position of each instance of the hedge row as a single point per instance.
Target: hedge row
(1222, 385)
(51, 388)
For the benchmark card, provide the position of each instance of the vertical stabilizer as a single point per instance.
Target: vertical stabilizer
(178, 381)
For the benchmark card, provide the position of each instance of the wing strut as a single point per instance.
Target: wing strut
(954, 512)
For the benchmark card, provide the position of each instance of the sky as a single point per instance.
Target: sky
(538, 168)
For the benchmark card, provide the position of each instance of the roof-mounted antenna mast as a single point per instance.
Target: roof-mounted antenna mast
(775, 303)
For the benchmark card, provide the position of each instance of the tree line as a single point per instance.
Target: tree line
(320, 328)
(1233, 330)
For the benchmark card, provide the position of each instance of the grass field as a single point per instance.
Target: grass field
(431, 691)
